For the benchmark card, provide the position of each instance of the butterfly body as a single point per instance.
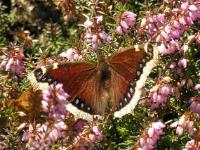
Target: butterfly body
(109, 83)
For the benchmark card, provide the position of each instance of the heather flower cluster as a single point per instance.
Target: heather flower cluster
(127, 20)
(43, 135)
(94, 35)
(88, 135)
(159, 96)
(178, 67)
(195, 104)
(150, 138)
(184, 123)
(152, 24)
(192, 145)
(13, 62)
(96, 134)
(54, 102)
(71, 55)
(170, 33)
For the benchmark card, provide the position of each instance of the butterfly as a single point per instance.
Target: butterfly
(29, 102)
(111, 83)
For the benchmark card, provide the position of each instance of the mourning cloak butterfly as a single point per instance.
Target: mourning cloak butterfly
(113, 82)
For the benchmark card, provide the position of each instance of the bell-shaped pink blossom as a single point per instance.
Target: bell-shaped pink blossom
(179, 131)
(192, 145)
(149, 139)
(166, 90)
(97, 132)
(197, 87)
(54, 101)
(182, 124)
(127, 20)
(13, 62)
(71, 55)
(88, 23)
(185, 6)
(195, 104)
(182, 63)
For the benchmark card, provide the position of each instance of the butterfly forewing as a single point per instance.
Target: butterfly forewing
(126, 62)
(82, 82)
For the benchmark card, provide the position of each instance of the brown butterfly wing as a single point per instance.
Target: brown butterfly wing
(82, 82)
(29, 102)
(124, 68)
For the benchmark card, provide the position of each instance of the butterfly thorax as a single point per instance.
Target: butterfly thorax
(104, 72)
(104, 76)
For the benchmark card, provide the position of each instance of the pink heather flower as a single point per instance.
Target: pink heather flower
(42, 135)
(192, 145)
(152, 24)
(92, 137)
(183, 123)
(94, 36)
(197, 87)
(174, 125)
(88, 24)
(162, 49)
(60, 125)
(179, 130)
(13, 62)
(159, 96)
(195, 104)
(97, 132)
(169, 49)
(172, 31)
(95, 40)
(127, 20)
(71, 55)
(162, 100)
(173, 65)
(185, 6)
(179, 72)
(166, 90)
(120, 30)
(148, 140)
(21, 113)
(185, 48)
(105, 37)
(193, 8)
(80, 124)
(99, 19)
(143, 22)
(182, 63)
(166, 36)
(21, 126)
(54, 101)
